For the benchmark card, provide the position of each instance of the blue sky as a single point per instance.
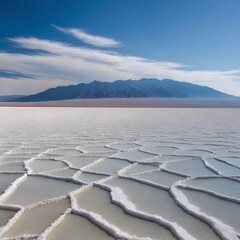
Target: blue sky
(58, 42)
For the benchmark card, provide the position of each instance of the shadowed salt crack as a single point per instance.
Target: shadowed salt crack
(119, 198)
(224, 231)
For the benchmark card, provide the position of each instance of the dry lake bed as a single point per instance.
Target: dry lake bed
(126, 173)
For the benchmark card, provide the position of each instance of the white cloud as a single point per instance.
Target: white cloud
(88, 38)
(63, 64)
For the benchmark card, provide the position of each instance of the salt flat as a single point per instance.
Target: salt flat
(134, 103)
(119, 173)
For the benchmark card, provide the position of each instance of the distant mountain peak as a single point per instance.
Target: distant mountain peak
(143, 88)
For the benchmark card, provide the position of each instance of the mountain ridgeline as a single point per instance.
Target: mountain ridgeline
(143, 88)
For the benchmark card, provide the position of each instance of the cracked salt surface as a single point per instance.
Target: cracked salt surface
(72, 173)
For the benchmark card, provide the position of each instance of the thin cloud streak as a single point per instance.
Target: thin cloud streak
(85, 37)
(63, 64)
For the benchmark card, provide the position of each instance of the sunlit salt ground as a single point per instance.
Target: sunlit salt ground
(75, 173)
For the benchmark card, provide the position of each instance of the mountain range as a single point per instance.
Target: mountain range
(143, 88)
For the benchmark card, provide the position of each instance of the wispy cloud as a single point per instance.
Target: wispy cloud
(63, 64)
(88, 38)
(14, 75)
